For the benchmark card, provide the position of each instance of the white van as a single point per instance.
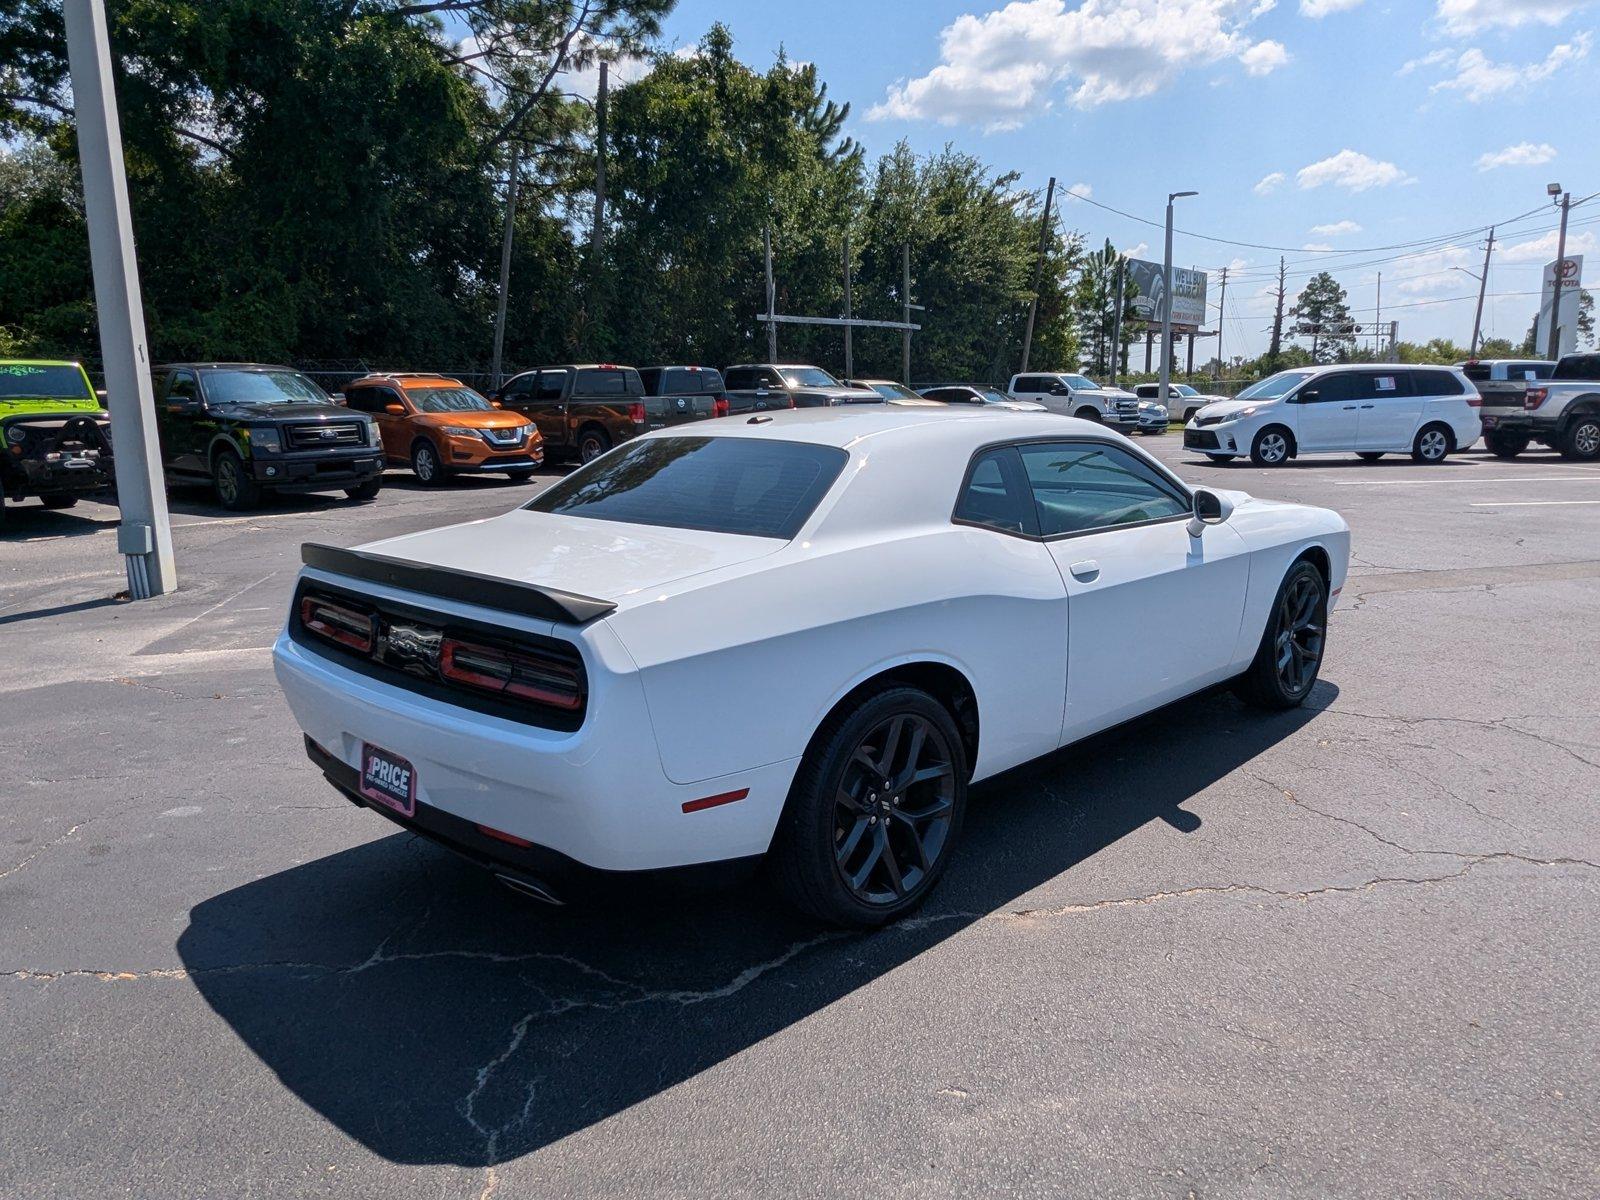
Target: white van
(1368, 409)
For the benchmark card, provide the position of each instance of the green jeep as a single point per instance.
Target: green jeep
(55, 440)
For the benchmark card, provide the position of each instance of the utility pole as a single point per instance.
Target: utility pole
(1379, 320)
(1222, 310)
(1038, 273)
(1483, 286)
(905, 302)
(1275, 347)
(772, 297)
(849, 354)
(1554, 345)
(505, 265)
(598, 237)
(1166, 302)
(145, 536)
(1116, 323)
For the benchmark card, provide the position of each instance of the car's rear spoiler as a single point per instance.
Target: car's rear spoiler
(449, 583)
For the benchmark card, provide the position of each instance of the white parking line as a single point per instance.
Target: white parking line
(1472, 480)
(1525, 503)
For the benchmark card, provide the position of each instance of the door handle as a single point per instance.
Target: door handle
(1366, 406)
(1349, 407)
(1088, 570)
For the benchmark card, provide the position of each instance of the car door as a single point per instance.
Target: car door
(1326, 413)
(547, 406)
(1389, 408)
(1153, 612)
(185, 430)
(394, 429)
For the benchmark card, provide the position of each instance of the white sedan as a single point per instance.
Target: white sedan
(796, 637)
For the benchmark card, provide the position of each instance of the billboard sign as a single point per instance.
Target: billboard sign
(1571, 275)
(1147, 287)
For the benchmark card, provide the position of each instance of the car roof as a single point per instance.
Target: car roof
(38, 362)
(408, 379)
(228, 366)
(848, 426)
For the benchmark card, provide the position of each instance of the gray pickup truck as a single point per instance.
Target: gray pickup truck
(753, 387)
(1560, 409)
(1502, 384)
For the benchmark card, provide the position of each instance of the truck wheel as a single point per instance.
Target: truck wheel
(1432, 446)
(874, 810)
(592, 443)
(236, 491)
(1505, 445)
(1089, 414)
(1583, 438)
(58, 501)
(366, 491)
(425, 463)
(1271, 447)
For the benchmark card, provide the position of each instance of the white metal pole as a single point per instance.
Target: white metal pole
(145, 536)
(1166, 309)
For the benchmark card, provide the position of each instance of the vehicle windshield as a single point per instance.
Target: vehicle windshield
(804, 377)
(995, 396)
(262, 387)
(739, 485)
(1183, 389)
(1274, 386)
(24, 381)
(894, 391)
(1079, 382)
(447, 400)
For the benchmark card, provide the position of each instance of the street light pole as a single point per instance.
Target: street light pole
(145, 536)
(1483, 286)
(1553, 346)
(1166, 301)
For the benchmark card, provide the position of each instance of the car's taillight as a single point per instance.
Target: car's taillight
(719, 406)
(636, 412)
(505, 672)
(347, 627)
(1534, 397)
(1474, 400)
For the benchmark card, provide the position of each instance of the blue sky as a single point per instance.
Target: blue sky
(1330, 124)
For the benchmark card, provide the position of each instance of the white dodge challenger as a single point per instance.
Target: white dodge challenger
(795, 638)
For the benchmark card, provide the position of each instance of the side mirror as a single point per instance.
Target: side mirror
(1061, 389)
(1210, 508)
(1307, 396)
(395, 410)
(338, 398)
(495, 404)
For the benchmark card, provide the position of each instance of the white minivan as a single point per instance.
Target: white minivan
(1368, 409)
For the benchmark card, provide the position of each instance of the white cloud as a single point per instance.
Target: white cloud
(1523, 154)
(1268, 183)
(1003, 67)
(1138, 251)
(1318, 247)
(1434, 271)
(1317, 9)
(1335, 229)
(1543, 249)
(1463, 17)
(1351, 170)
(1264, 58)
(1080, 189)
(1477, 77)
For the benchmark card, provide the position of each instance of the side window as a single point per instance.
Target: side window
(521, 386)
(1341, 387)
(363, 399)
(552, 386)
(994, 494)
(1079, 486)
(184, 390)
(770, 378)
(651, 378)
(1384, 385)
(739, 378)
(1435, 383)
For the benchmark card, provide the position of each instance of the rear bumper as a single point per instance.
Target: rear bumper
(1519, 421)
(318, 473)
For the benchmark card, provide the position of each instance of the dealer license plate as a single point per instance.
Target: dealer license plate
(388, 779)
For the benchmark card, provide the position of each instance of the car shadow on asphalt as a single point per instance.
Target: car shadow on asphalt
(436, 1018)
(29, 521)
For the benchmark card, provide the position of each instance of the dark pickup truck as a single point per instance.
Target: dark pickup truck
(55, 442)
(756, 386)
(582, 410)
(251, 428)
(684, 394)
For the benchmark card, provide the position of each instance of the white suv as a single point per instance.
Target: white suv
(1074, 395)
(1365, 409)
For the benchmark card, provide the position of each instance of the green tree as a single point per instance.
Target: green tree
(1322, 316)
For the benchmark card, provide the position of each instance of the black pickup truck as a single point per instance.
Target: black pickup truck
(251, 428)
(756, 386)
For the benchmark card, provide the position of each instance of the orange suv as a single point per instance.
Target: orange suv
(440, 427)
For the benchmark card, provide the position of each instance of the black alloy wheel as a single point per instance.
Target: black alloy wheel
(236, 491)
(592, 443)
(1289, 657)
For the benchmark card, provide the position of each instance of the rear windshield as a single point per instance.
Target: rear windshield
(722, 484)
(608, 381)
(447, 400)
(678, 383)
(1577, 366)
(21, 381)
(261, 387)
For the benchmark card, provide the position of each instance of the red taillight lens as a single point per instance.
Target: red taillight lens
(1534, 397)
(509, 673)
(719, 406)
(347, 627)
(636, 412)
(1474, 400)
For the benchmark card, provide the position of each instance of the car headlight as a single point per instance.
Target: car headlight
(458, 431)
(266, 439)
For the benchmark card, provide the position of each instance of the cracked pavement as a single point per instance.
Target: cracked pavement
(1343, 951)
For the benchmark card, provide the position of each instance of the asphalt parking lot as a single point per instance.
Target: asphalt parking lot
(1348, 951)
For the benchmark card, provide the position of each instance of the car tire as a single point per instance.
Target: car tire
(1503, 445)
(855, 846)
(425, 464)
(236, 491)
(1188, 414)
(1272, 447)
(1289, 657)
(1582, 439)
(1432, 445)
(1090, 414)
(520, 476)
(592, 443)
(58, 501)
(366, 491)
(1369, 455)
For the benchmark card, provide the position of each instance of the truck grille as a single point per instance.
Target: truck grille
(1128, 406)
(324, 435)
